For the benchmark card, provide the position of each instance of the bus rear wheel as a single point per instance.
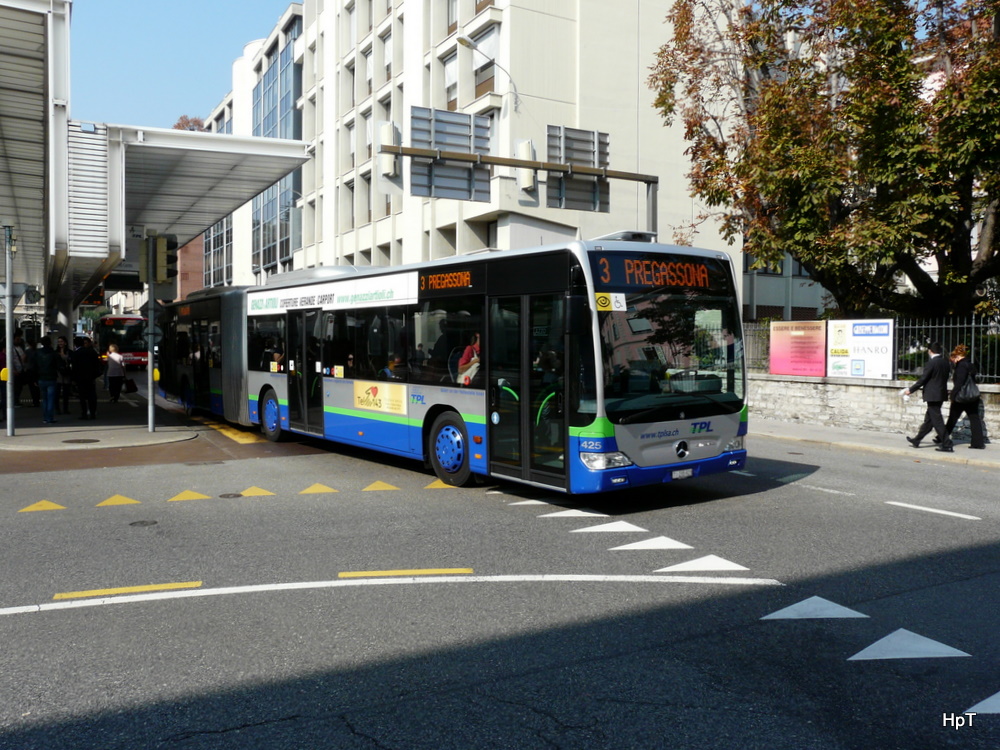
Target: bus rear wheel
(270, 417)
(449, 450)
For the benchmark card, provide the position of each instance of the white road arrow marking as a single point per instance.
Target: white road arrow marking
(660, 542)
(613, 527)
(709, 562)
(813, 608)
(904, 644)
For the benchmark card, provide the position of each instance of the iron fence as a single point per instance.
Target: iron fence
(981, 334)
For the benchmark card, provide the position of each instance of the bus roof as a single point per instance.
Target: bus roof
(620, 241)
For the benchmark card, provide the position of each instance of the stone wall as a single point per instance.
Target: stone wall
(859, 404)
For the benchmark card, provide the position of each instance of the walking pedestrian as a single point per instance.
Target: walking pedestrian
(964, 369)
(934, 382)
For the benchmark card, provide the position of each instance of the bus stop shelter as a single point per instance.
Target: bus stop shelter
(73, 193)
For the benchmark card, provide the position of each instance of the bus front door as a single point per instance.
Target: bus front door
(305, 374)
(526, 375)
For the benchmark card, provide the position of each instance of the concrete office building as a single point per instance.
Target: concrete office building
(555, 81)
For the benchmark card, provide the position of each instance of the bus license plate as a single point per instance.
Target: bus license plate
(683, 473)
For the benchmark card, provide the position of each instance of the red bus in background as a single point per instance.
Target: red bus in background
(128, 332)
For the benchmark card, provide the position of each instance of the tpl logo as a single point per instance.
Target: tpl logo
(699, 427)
(416, 398)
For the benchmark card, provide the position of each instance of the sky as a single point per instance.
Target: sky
(148, 62)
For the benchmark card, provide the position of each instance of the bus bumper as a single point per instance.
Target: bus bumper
(585, 480)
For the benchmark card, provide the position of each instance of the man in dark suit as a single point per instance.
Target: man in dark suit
(934, 381)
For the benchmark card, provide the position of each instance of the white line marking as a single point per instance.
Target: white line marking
(743, 473)
(824, 489)
(343, 583)
(933, 510)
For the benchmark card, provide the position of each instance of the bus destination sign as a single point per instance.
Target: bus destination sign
(451, 281)
(646, 271)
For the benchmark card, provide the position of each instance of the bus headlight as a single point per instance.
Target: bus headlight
(600, 461)
(737, 443)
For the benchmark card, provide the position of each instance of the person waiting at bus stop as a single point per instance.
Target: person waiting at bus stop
(116, 372)
(47, 367)
(86, 370)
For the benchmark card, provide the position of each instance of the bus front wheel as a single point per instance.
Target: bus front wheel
(270, 417)
(449, 450)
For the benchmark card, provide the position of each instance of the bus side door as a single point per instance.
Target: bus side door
(526, 388)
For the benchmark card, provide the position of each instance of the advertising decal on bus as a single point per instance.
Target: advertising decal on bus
(400, 289)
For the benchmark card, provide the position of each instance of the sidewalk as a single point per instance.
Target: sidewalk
(121, 425)
(878, 442)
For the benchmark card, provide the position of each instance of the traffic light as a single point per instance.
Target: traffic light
(166, 258)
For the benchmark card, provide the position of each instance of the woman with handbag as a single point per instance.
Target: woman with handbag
(116, 372)
(965, 397)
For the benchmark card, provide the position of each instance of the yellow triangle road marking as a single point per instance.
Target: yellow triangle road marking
(42, 505)
(255, 492)
(188, 495)
(379, 486)
(317, 489)
(118, 500)
(437, 484)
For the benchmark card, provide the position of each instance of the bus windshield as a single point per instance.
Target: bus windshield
(128, 333)
(671, 344)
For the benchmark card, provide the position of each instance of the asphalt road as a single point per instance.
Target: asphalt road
(294, 596)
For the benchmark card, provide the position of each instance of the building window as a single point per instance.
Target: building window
(452, 16)
(482, 5)
(349, 85)
(349, 131)
(218, 259)
(451, 81)
(768, 270)
(368, 70)
(352, 27)
(367, 118)
(349, 204)
(387, 55)
(366, 198)
(483, 57)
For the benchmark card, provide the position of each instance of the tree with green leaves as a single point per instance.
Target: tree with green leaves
(860, 136)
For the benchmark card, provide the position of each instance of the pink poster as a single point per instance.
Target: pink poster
(798, 348)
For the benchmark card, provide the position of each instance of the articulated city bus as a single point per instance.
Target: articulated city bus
(601, 365)
(128, 332)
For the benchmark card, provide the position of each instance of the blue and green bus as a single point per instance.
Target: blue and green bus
(602, 365)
